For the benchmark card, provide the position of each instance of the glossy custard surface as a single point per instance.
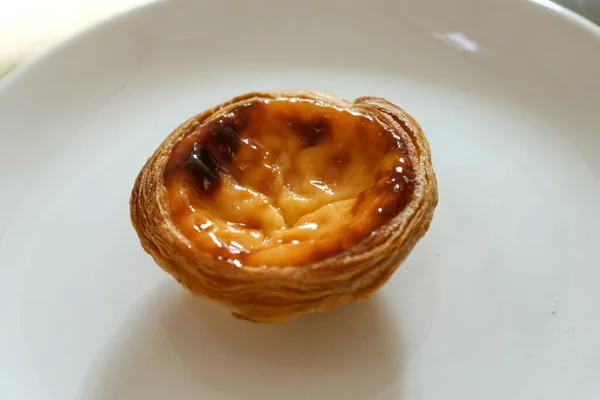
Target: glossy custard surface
(286, 182)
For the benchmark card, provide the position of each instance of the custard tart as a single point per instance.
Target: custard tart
(284, 203)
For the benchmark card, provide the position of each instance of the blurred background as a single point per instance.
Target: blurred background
(27, 27)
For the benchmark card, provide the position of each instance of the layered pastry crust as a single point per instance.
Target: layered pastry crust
(280, 204)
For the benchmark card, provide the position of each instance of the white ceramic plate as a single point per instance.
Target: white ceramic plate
(501, 299)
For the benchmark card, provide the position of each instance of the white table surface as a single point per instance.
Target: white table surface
(28, 27)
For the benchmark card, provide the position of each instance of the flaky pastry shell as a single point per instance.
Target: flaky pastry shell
(284, 203)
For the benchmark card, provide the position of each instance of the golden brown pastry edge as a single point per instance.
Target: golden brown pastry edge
(276, 294)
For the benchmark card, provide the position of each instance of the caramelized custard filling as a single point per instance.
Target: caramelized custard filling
(286, 182)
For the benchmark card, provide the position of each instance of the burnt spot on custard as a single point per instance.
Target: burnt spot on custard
(210, 150)
(224, 133)
(224, 140)
(311, 132)
(202, 167)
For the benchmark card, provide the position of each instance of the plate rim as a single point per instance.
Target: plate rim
(555, 9)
